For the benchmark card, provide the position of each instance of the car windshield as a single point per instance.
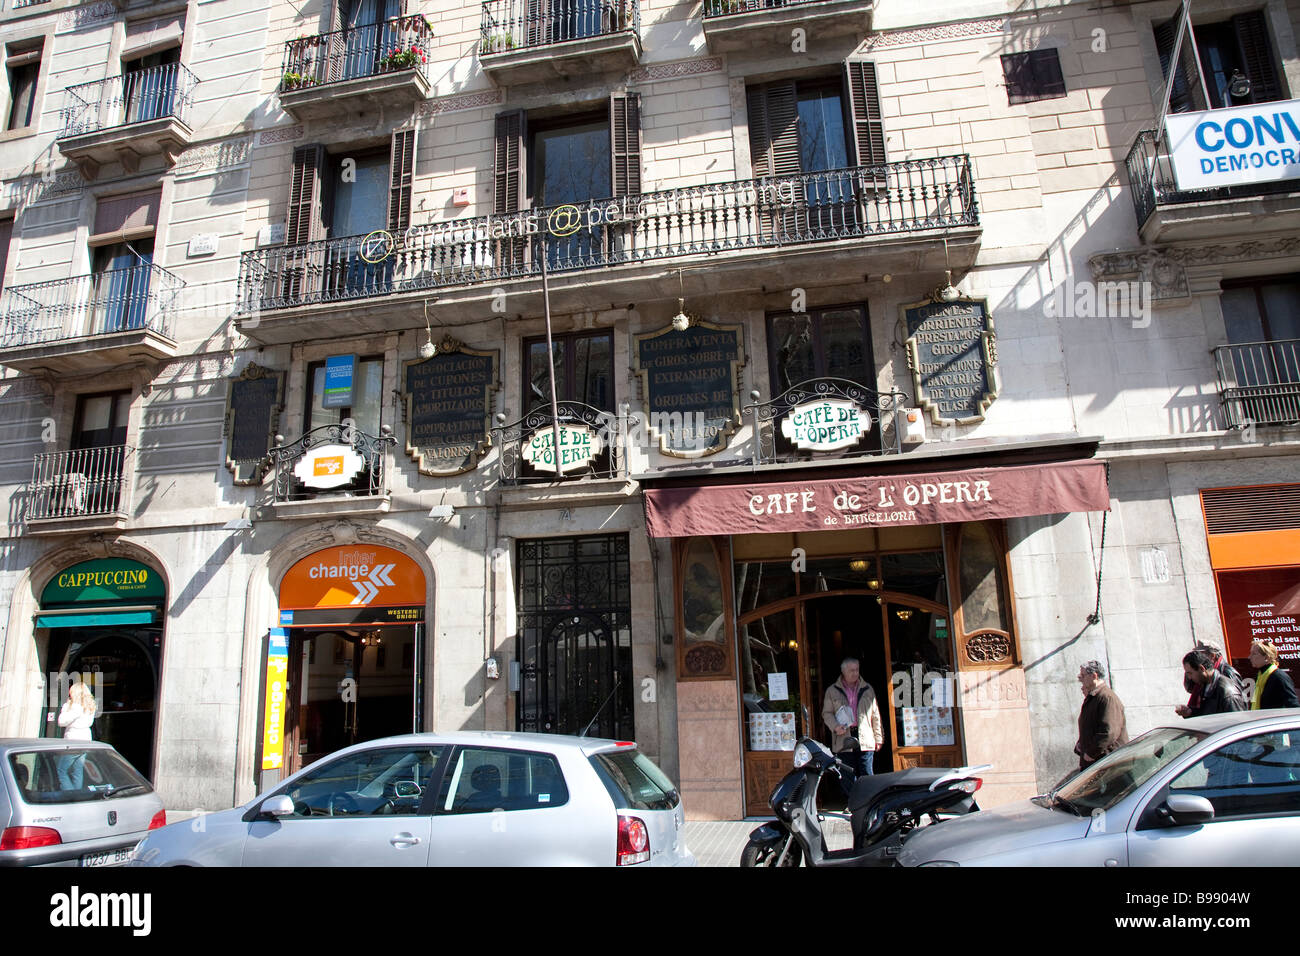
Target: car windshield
(1119, 773)
(74, 775)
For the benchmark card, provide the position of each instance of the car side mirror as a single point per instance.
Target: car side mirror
(278, 806)
(1186, 809)
(406, 788)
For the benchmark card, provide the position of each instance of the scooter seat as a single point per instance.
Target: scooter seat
(867, 789)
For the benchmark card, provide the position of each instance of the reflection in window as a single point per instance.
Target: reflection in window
(485, 780)
(1260, 774)
(983, 603)
(371, 783)
(818, 344)
(770, 681)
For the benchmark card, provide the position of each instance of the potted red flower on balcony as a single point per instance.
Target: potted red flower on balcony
(404, 59)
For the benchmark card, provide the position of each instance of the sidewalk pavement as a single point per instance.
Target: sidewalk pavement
(720, 842)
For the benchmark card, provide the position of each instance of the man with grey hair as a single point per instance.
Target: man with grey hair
(851, 712)
(1101, 719)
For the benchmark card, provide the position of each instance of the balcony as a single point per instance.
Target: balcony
(733, 26)
(80, 491)
(1259, 382)
(331, 470)
(815, 225)
(126, 118)
(381, 66)
(527, 41)
(89, 323)
(1166, 213)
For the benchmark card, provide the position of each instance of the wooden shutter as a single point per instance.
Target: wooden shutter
(868, 125)
(1257, 56)
(508, 193)
(6, 234)
(625, 143)
(1186, 95)
(304, 221)
(508, 177)
(121, 218)
(401, 167)
(774, 129)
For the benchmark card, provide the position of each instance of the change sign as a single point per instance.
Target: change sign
(1230, 147)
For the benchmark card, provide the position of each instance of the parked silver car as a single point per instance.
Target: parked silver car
(463, 799)
(71, 803)
(1223, 789)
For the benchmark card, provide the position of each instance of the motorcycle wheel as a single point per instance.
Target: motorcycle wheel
(762, 854)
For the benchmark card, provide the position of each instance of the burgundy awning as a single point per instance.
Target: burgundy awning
(936, 497)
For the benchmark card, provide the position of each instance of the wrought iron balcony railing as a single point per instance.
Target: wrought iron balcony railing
(593, 444)
(366, 479)
(403, 43)
(861, 202)
(722, 8)
(144, 296)
(1152, 183)
(880, 407)
(515, 24)
(81, 483)
(1259, 382)
(134, 97)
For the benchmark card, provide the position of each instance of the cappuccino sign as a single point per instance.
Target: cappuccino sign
(578, 446)
(826, 424)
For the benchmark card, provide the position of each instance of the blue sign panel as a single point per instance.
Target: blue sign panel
(340, 370)
(286, 618)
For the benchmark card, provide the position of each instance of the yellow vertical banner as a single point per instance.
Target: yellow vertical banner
(277, 676)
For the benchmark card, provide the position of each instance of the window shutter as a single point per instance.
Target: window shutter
(508, 192)
(1257, 56)
(401, 166)
(120, 218)
(625, 143)
(1186, 94)
(774, 130)
(149, 36)
(304, 221)
(6, 234)
(868, 125)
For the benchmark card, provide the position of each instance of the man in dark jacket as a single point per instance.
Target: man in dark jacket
(1101, 718)
(1219, 694)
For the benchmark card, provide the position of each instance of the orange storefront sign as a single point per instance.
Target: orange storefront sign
(353, 576)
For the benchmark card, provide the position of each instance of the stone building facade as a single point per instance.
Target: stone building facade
(229, 250)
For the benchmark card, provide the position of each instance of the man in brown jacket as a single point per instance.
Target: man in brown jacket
(859, 700)
(1101, 719)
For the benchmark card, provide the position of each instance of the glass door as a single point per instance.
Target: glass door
(773, 675)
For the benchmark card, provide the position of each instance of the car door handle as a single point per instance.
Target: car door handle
(404, 839)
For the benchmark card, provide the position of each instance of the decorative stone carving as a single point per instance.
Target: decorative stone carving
(85, 15)
(672, 71)
(1165, 267)
(282, 134)
(988, 649)
(948, 31)
(463, 101)
(215, 156)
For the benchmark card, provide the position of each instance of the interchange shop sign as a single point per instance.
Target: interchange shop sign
(329, 466)
(952, 354)
(826, 425)
(579, 445)
(277, 679)
(689, 383)
(448, 399)
(1231, 147)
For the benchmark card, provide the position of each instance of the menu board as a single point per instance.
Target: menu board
(951, 354)
(448, 407)
(252, 411)
(771, 731)
(689, 386)
(928, 727)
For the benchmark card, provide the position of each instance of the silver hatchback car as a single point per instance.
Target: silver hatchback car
(461, 799)
(1223, 789)
(71, 803)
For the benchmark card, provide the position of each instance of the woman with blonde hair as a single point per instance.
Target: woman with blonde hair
(1273, 686)
(76, 718)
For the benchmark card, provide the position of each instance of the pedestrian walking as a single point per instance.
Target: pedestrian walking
(1273, 686)
(1219, 694)
(1101, 718)
(1194, 689)
(75, 717)
(851, 713)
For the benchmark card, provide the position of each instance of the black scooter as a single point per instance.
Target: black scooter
(881, 810)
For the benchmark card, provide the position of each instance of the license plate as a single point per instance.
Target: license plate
(107, 858)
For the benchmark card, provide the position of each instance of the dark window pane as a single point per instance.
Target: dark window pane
(1282, 309)
(22, 90)
(842, 344)
(361, 206)
(821, 131)
(1241, 318)
(1035, 75)
(792, 350)
(571, 164)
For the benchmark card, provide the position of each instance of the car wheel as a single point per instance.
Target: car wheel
(763, 854)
